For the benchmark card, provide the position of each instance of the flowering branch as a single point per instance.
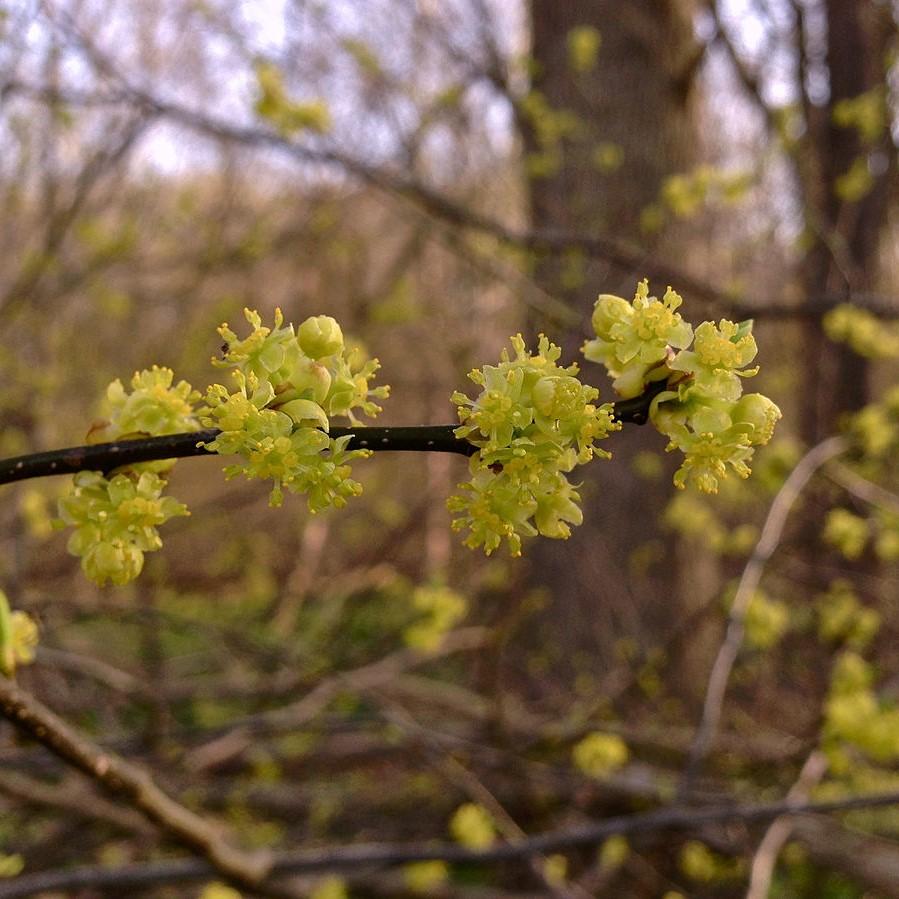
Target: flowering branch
(107, 456)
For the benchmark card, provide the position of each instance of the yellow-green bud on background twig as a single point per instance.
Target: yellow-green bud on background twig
(18, 638)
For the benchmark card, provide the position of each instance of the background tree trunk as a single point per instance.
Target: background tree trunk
(639, 97)
(845, 235)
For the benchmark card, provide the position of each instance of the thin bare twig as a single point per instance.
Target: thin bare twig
(368, 855)
(749, 582)
(443, 208)
(778, 833)
(860, 487)
(75, 801)
(296, 714)
(468, 781)
(748, 78)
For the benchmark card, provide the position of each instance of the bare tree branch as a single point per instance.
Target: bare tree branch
(446, 209)
(862, 488)
(133, 785)
(478, 791)
(59, 223)
(748, 79)
(303, 710)
(779, 832)
(377, 855)
(749, 582)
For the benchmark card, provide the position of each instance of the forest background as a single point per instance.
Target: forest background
(438, 176)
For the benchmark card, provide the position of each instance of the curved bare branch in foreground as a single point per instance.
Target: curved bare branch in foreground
(768, 542)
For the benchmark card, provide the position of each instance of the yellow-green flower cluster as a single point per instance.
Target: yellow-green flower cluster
(886, 544)
(635, 340)
(876, 427)
(701, 864)
(116, 518)
(599, 754)
(866, 334)
(287, 386)
(116, 521)
(694, 517)
(286, 114)
(533, 422)
(152, 408)
(846, 531)
(472, 826)
(842, 618)
(424, 878)
(867, 113)
(439, 609)
(767, 620)
(18, 637)
(701, 410)
(850, 533)
(854, 715)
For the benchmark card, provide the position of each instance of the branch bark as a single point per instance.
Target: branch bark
(368, 855)
(108, 456)
(133, 785)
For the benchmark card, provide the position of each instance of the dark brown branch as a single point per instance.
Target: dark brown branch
(366, 855)
(108, 456)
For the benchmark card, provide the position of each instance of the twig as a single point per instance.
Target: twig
(73, 801)
(363, 855)
(296, 714)
(102, 672)
(477, 790)
(749, 582)
(118, 89)
(779, 832)
(868, 861)
(862, 488)
(108, 456)
(748, 78)
(132, 784)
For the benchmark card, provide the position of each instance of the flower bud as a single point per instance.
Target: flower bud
(320, 336)
(608, 310)
(760, 412)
